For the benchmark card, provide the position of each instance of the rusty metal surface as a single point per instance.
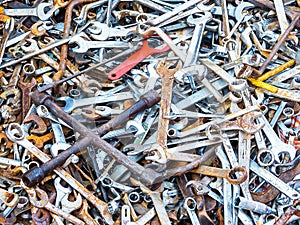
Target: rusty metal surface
(152, 138)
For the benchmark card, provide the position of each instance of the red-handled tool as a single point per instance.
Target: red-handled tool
(135, 59)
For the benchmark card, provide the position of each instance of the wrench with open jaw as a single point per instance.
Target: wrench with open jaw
(71, 103)
(34, 193)
(89, 137)
(16, 133)
(135, 59)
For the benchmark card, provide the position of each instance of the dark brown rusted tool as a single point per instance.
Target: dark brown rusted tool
(26, 90)
(39, 141)
(292, 210)
(41, 217)
(67, 28)
(39, 125)
(272, 192)
(147, 176)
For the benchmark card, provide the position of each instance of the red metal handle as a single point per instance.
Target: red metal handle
(133, 60)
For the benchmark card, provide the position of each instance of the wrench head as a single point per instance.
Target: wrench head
(81, 42)
(136, 126)
(156, 154)
(152, 69)
(240, 9)
(33, 46)
(103, 110)
(57, 147)
(286, 148)
(69, 103)
(200, 70)
(38, 29)
(42, 111)
(198, 20)
(99, 30)
(205, 8)
(248, 124)
(200, 189)
(41, 8)
(70, 206)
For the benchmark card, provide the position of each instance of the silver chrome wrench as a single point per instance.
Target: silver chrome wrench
(16, 134)
(275, 181)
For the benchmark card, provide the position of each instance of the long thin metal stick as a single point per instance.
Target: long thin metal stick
(127, 52)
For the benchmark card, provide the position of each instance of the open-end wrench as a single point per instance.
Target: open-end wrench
(135, 59)
(61, 191)
(70, 206)
(7, 30)
(16, 134)
(26, 90)
(38, 11)
(275, 181)
(85, 45)
(101, 31)
(277, 146)
(223, 173)
(195, 44)
(39, 126)
(71, 103)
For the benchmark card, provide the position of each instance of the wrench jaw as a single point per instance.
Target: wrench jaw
(285, 149)
(41, 11)
(100, 30)
(78, 40)
(57, 147)
(206, 8)
(240, 8)
(248, 122)
(157, 154)
(39, 98)
(68, 103)
(136, 126)
(33, 46)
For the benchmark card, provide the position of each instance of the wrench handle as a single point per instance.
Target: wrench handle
(129, 63)
(37, 174)
(223, 173)
(133, 60)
